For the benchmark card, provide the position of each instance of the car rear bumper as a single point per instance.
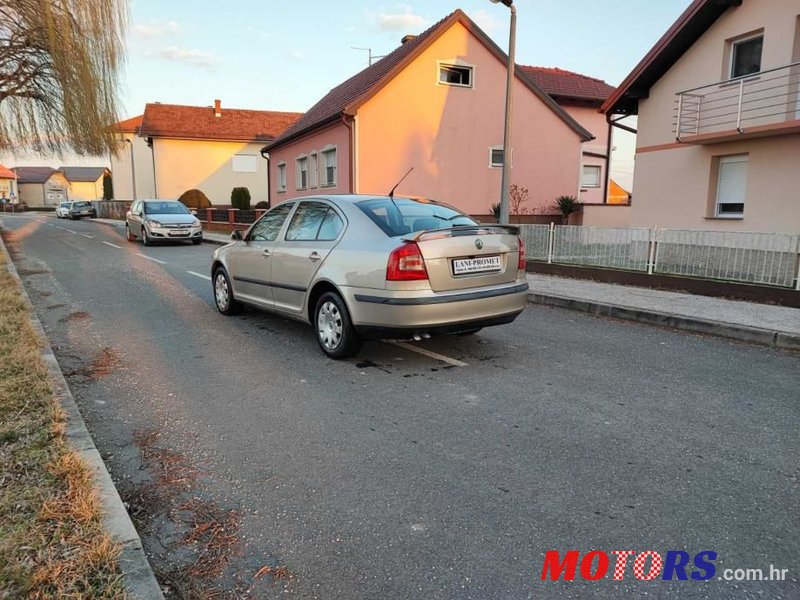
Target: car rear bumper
(416, 312)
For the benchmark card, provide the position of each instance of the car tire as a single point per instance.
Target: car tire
(223, 293)
(336, 335)
(145, 240)
(197, 242)
(128, 235)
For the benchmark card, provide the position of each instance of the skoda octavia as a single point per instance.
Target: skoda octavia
(358, 267)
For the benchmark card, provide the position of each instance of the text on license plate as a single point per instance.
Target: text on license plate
(178, 232)
(463, 266)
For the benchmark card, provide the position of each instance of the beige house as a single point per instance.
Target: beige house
(173, 148)
(85, 183)
(718, 105)
(41, 186)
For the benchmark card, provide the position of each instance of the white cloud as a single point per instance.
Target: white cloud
(404, 19)
(197, 58)
(296, 55)
(154, 29)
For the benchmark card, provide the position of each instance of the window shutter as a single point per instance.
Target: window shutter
(732, 185)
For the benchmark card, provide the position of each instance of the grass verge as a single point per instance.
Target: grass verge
(52, 542)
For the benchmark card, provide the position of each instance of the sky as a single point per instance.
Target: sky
(285, 55)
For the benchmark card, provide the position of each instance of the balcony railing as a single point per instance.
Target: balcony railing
(769, 98)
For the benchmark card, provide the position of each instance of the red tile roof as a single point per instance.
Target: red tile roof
(566, 85)
(6, 173)
(346, 97)
(129, 125)
(200, 123)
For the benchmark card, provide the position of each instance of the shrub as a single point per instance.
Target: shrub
(240, 198)
(567, 205)
(263, 204)
(195, 199)
(496, 210)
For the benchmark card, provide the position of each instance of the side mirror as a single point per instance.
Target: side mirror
(194, 212)
(236, 234)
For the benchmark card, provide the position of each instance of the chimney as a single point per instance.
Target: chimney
(217, 108)
(408, 38)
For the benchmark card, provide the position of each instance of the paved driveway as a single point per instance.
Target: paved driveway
(400, 475)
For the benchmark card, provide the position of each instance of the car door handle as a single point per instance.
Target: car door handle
(314, 256)
(266, 253)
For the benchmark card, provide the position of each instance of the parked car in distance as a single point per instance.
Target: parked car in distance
(62, 210)
(162, 221)
(357, 266)
(80, 208)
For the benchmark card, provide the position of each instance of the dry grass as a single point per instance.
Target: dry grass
(52, 543)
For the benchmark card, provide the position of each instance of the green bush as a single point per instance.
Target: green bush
(263, 204)
(240, 198)
(195, 199)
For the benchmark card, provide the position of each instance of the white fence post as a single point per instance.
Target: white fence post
(550, 243)
(651, 259)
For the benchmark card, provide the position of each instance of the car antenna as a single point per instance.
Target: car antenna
(391, 194)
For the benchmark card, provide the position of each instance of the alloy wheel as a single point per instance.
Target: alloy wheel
(221, 292)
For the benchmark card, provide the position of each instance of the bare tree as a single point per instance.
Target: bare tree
(60, 61)
(518, 198)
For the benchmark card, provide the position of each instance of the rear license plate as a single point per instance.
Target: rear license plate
(483, 264)
(178, 232)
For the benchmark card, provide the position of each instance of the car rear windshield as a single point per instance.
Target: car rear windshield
(402, 216)
(165, 208)
(80, 204)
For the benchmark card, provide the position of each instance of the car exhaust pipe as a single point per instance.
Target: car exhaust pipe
(417, 337)
(426, 336)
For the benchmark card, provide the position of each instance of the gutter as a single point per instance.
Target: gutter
(349, 123)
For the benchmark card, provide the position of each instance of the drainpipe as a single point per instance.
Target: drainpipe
(609, 147)
(265, 156)
(351, 170)
(152, 144)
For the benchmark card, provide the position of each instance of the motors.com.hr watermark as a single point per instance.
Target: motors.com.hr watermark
(648, 565)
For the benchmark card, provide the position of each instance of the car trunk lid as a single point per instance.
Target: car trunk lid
(469, 256)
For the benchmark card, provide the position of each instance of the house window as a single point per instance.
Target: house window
(282, 177)
(301, 172)
(590, 177)
(731, 187)
(313, 170)
(244, 163)
(455, 75)
(496, 156)
(746, 56)
(328, 178)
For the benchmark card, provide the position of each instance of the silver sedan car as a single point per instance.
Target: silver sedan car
(358, 267)
(162, 221)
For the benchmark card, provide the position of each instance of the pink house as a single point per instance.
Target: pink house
(582, 96)
(435, 104)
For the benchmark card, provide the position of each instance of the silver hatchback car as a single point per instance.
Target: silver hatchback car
(359, 266)
(162, 220)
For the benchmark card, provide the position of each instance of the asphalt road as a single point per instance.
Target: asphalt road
(398, 475)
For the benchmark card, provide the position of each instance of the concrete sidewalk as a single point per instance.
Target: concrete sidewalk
(776, 326)
(211, 237)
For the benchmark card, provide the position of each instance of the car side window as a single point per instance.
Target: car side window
(269, 226)
(306, 222)
(331, 227)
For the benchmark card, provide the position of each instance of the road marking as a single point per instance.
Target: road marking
(431, 354)
(112, 245)
(86, 235)
(206, 277)
(161, 262)
(72, 232)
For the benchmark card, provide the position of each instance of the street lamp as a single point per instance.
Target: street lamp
(512, 41)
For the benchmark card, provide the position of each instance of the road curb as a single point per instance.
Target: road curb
(139, 579)
(743, 333)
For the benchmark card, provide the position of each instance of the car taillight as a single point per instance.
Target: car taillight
(521, 265)
(406, 264)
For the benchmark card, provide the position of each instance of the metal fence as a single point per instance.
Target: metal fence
(759, 258)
